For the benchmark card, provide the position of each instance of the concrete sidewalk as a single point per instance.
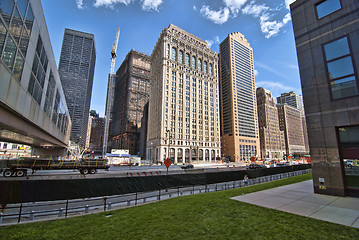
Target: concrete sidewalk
(299, 198)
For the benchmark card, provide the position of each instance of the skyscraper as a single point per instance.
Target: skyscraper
(183, 108)
(294, 100)
(239, 132)
(327, 42)
(132, 88)
(272, 143)
(290, 122)
(76, 69)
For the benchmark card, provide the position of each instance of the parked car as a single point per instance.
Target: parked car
(188, 166)
(281, 164)
(254, 166)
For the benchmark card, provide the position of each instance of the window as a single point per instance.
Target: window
(187, 59)
(180, 56)
(193, 62)
(174, 54)
(199, 65)
(327, 7)
(349, 142)
(340, 68)
(210, 69)
(205, 67)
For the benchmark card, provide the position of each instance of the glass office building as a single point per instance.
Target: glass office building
(327, 42)
(32, 103)
(239, 134)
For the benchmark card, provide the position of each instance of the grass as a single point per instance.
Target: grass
(204, 216)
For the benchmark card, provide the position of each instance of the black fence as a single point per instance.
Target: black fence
(22, 191)
(25, 212)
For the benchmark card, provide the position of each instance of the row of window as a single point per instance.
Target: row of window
(196, 63)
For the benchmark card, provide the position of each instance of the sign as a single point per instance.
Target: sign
(253, 159)
(168, 163)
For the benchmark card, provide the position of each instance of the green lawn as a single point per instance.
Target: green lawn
(203, 216)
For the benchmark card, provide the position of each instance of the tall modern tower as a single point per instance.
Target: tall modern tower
(132, 88)
(239, 133)
(183, 108)
(327, 40)
(76, 69)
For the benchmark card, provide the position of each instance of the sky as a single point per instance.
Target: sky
(265, 24)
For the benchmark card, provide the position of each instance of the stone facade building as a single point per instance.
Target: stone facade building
(290, 122)
(327, 41)
(294, 100)
(132, 89)
(272, 142)
(183, 108)
(239, 119)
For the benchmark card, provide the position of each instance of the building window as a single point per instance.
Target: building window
(327, 7)
(187, 59)
(180, 56)
(199, 65)
(210, 69)
(341, 74)
(193, 62)
(349, 142)
(205, 67)
(174, 54)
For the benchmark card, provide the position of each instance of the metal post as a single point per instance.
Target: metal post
(128, 202)
(216, 187)
(136, 200)
(1, 217)
(87, 209)
(193, 189)
(109, 206)
(18, 220)
(159, 194)
(178, 191)
(32, 216)
(61, 212)
(104, 203)
(67, 207)
(144, 200)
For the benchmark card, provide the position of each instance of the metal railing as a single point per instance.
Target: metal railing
(27, 212)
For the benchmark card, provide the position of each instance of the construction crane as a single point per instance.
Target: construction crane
(110, 93)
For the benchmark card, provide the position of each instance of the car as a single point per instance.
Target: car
(281, 165)
(188, 166)
(254, 166)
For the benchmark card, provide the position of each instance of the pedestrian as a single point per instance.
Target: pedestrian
(245, 180)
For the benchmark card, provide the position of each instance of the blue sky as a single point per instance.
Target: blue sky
(265, 24)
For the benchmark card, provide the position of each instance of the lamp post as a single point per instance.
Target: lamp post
(168, 133)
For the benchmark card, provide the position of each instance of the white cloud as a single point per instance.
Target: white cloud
(209, 43)
(216, 39)
(148, 5)
(288, 2)
(80, 4)
(194, 8)
(277, 88)
(110, 3)
(256, 73)
(271, 28)
(254, 9)
(272, 70)
(218, 17)
(234, 5)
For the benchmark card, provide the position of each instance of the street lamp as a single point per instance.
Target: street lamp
(168, 133)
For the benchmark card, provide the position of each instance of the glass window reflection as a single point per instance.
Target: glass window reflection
(327, 7)
(19, 64)
(6, 10)
(340, 68)
(343, 88)
(193, 62)
(337, 49)
(9, 53)
(3, 32)
(22, 4)
(349, 144)
(16, 26)
(187, 59)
